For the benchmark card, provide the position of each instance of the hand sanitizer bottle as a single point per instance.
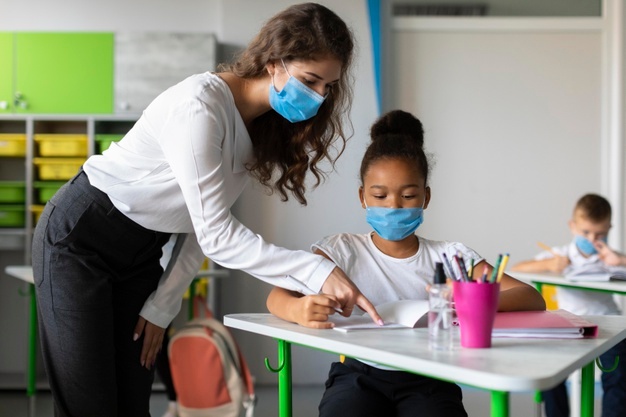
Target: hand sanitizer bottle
(440, 312)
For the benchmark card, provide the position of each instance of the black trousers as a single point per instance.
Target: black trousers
(356, 389)
(94, 268)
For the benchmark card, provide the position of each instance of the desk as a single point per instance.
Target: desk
(538, 279)
(25, 273)
(510, 365)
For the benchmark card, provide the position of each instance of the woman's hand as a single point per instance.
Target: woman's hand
(152, 341)
(348, 295)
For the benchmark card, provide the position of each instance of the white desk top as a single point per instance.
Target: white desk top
(556, 279)
(509, 365)
(25, 273)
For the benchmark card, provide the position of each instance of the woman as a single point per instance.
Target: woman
(103, 298)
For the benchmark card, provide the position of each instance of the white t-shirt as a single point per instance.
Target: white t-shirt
(382, 278)
(179, 170)
(582, 302)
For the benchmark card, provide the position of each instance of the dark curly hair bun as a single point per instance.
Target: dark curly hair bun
(398, 122)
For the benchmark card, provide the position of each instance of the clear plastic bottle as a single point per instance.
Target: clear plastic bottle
(440, 312)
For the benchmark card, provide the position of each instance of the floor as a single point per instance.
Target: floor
(305, 400)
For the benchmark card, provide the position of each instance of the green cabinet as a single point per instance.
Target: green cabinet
(6, 72)
(57, 72)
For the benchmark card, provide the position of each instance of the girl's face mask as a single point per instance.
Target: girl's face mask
(394, 223)
(295, 102)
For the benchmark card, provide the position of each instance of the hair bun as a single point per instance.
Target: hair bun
(398, 122)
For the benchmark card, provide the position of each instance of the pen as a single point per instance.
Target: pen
(546, 247)
(461, 263)
(485, 273)
(471, 270)
(302, 287)
(448, 265)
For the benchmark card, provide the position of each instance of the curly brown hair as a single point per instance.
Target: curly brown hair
(284, 152)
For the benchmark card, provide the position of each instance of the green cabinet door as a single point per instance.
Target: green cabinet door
(6, 72)
(64, 72)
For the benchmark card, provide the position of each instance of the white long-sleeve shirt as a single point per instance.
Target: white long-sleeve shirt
(179, 170)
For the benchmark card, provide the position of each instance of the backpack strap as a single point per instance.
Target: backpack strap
(200, 308)
(242, 367)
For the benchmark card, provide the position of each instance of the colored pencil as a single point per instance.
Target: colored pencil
(494, 272)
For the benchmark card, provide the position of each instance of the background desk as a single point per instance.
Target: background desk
(539, 279)
(510, 365)
(25, 273)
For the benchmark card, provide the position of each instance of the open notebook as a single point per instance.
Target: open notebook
(594, 274)
(396, 314)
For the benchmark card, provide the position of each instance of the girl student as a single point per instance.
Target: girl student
(104, 300)
(388, 264)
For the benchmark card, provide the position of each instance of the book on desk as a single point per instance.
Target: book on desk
(595, 276)
(559, 324)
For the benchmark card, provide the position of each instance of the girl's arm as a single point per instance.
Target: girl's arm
(515, 295)
(309, 311)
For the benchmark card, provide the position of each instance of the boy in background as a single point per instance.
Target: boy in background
(588, 251)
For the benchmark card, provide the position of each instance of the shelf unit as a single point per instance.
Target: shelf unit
(15, 242)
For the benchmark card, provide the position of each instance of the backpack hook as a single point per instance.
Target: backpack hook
(284, 357)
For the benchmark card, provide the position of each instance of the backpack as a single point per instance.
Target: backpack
(210, 376)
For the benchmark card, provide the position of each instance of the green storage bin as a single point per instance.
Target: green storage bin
(12, 191)
(46, 189)
(105, 140)
(12, 215)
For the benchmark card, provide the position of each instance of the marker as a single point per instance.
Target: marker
(494, 272)
(505, 259)
(301, 286)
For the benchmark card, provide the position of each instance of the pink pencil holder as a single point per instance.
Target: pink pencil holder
(476, 305)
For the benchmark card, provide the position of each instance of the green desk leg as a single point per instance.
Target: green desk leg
(192, 295)
(499, 404)
(285, 408)
(32, 351)
(284, 380)
(587, 391)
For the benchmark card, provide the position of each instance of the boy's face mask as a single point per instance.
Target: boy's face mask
(585, 246)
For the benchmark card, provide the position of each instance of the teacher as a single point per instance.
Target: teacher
(275, 114)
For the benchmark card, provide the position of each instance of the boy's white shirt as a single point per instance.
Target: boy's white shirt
(583, 302)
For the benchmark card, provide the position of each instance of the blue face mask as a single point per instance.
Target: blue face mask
(394, 223)
(585, 246)
(295, 102)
